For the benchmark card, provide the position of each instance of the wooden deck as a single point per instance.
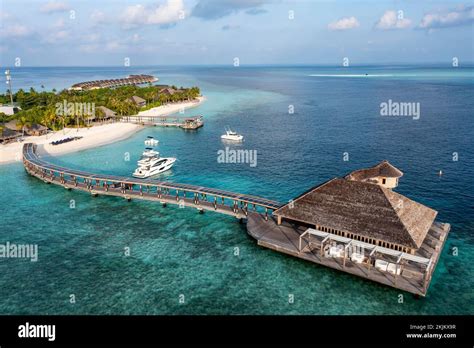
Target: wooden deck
(193, 122)
(285, 239)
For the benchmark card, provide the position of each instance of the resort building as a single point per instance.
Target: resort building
(359, 225)
(36, 129)
(140, 102)
(168, 91)
(129, 81)
(363, 207)
(108, 114)
(9, 109)
(7, 135)
(32, 129)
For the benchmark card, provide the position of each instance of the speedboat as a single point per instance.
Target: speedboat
(150, 163)
(231, 135)
(150, 141)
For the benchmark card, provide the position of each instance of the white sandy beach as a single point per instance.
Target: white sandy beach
(169, 109)
(92, 137)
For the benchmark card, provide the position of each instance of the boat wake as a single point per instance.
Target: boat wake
(351, 75)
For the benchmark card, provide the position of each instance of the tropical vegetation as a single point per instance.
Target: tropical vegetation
(41, 107)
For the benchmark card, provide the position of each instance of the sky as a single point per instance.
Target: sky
(209, 32)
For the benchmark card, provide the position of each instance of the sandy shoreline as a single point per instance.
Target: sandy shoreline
(92, 137)
(169, 109)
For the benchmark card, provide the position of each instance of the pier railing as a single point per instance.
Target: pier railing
(192, 122)
(184, 195)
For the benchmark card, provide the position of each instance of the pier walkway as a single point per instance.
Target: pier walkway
(193, 122)
(184, 195)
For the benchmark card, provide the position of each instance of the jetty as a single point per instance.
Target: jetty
(355, 224)
(193, 122)
(128, 81)
(184, 195)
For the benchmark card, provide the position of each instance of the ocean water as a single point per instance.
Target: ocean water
(179, 252)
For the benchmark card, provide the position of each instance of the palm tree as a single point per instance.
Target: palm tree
(23, 123)
(49, 117)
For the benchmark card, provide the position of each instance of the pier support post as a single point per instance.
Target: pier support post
(278, 220)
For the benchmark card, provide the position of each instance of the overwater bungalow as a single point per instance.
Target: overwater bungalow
(130, 80)
(359, 220)
(362, 206)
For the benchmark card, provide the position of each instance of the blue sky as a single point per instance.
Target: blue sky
(162, 32)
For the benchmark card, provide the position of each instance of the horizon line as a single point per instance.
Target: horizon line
(437, 64)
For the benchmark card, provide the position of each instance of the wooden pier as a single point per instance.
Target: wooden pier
(285, 238)
(193, 122)
(413, 273)
(183, 195)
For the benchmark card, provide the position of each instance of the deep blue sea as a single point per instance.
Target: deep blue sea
(179, 252)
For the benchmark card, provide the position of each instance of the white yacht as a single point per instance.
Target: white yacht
(231, 135)
(150, 141)
(150, 163)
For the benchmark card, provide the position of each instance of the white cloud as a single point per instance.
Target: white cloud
(60, 23)
(57, 36)
(165, 13)
(98, 17)
(16, 31)
(344, 24)
(391, 20)
(4, 15)
(453, 18)
(54, 6)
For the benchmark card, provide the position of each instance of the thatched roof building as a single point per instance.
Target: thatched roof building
(12, 125)
(383, 174)
(7, 135)
(107, 112)
(363, 210)
(168, 91)
(137, 101)
(36, 129)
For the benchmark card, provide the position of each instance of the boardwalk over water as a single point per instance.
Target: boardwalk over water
(185, 195)
(261, 225)
(193, 122)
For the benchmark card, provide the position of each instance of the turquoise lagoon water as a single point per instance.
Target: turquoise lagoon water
(177, 251)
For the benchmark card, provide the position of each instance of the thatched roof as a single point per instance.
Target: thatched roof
(107, 111)
(137, 100)
(365, 209)
(6, 133)
(37, 127)
(169, 91)
(12, 124)
(383, 169)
